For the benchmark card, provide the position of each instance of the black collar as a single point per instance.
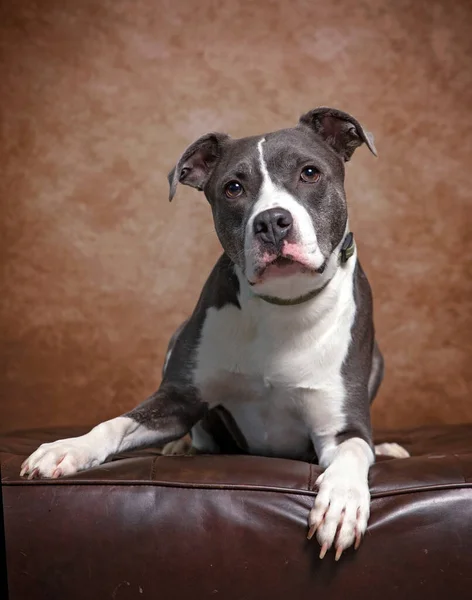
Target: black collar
(347, 250)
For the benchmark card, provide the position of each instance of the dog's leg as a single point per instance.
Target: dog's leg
(66, 457)
(165, 416)
(342, 507)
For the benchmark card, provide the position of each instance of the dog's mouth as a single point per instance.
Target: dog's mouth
(284, 266)
(284, 261)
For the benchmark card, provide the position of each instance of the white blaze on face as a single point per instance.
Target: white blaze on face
(305, 247)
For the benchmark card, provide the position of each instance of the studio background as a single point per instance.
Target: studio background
(99, 98)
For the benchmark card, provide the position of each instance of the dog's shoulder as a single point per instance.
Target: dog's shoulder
(362, 332)
(219, 295)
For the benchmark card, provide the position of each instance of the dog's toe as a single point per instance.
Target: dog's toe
(391, 449)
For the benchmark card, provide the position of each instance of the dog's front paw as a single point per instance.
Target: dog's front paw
(341, 511)
(56, 459)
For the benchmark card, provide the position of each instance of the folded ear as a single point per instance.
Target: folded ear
(341, 131)
(196, 164)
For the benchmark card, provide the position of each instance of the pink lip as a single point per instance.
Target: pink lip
(281, 266)
(294, 252)
(290, 261)
(277, 269)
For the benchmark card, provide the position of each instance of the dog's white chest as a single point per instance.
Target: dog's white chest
(278, 373)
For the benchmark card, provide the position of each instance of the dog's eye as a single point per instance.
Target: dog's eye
(310, 174)
(233, 189)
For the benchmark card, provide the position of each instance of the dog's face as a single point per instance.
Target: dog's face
(278, 200)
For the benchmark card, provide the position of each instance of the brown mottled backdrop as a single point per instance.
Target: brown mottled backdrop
(99, 97)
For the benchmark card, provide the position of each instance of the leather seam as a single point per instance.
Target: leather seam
(234, 487)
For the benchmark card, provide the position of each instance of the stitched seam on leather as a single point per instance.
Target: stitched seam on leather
(427, 488)
(189, 486)
(223, 486)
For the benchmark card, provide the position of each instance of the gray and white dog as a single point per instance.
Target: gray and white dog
(279, 357)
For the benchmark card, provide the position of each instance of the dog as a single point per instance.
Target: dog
(279, 357)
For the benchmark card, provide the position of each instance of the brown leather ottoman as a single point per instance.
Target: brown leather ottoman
(234, 527)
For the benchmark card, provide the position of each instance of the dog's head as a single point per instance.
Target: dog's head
(278, 200)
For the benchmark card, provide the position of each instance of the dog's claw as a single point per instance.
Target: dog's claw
(358, 541)
(324, 549)
(312, 531)
(339, 551)
(34, 473)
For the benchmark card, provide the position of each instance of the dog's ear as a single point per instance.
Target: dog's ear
(338, 129)
(197, 162)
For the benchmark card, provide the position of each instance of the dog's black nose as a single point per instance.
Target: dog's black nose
(273, 225)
